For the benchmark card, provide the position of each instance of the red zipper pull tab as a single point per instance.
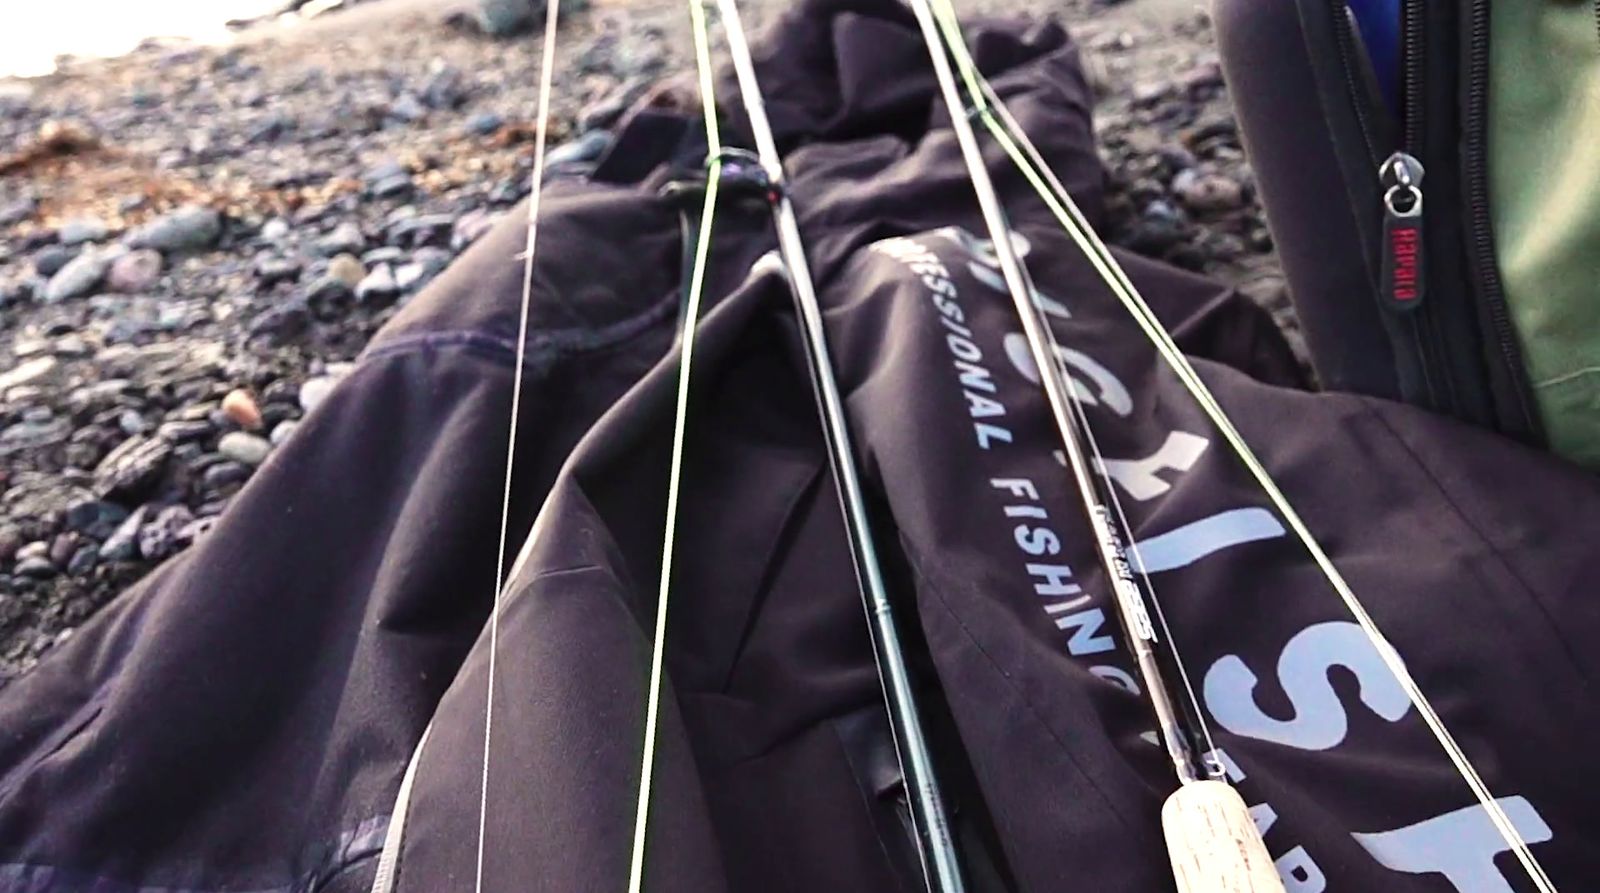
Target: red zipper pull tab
(1403, 271)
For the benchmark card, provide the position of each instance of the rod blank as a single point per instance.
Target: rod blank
(935, 845)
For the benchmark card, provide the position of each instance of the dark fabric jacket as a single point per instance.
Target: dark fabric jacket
(243, 719)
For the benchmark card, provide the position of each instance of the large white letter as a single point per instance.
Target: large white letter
(1460, 845)
(1138, 476)
(1319, 720)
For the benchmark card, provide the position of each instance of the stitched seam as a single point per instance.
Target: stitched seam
(52, 744)
(787, 528)
(1569, 376)
(543, 346)
(1027, 703)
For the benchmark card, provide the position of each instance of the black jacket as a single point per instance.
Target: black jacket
(243, 719)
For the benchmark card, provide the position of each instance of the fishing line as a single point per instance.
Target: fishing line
(1212, 841)
(1207, 755)
(541, 132)
(930, 823)
(1004, 128)
(680, 418)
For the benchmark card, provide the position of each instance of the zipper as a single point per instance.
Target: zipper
(1484, 266)
(1401, 177)
(1404, 248)
(1411, 46)
(1349, 53)
(1404, 276)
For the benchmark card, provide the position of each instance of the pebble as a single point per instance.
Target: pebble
(133, 467)
(485, 123)
(408, 108)
(501, 18)
(347, 269)
(184, 430)
(280, 323)
(444, 88)
(246, 448)
(123, 543)
(392, 187)
(586, 148)
(425, 229)
(163, 534)
(388, 254)
(15, 212)
(276, 230)
(508, 191)
(33, 435)
(1149, 93)
(279, 410)
(271, 270)
(78, 232)
(327, 296)
(36, 549)
(84, 559)
(270, 128)
(346, 238)
(62, 547)
(79, 277)
(316, 390)
(30, 370)
(36, 568)
(131, 422)
(188, 228)
(605, 111)
(471, 226)
(383, 170)
(49, 260)
(70, 346)
(241, 409)
(281, 432)
(1204, 76)
(224, 474)
(410, 277)
(379, 285)
(1157, 231)
(11, 539)
(135, 271)
(95, 518)
(1207, 193)
(17, 291)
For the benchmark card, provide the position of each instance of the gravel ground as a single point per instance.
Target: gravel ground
(195, 242)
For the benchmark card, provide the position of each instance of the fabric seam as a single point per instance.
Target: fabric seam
(1027, 702)
(545, 345)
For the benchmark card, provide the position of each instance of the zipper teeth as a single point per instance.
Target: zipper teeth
(1414, 75)
(1345, 40)
(1475, 168)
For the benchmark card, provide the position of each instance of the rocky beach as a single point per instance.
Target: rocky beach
(196, 241)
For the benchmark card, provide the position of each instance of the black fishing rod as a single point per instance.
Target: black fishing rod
(1212, 841)
(935, 845)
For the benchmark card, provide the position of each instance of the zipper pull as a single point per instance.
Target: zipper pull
(1403, 271)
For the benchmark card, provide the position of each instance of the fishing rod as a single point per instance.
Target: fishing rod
(1005, 129)
(935, 846)
(930, 821)
(1212, 841)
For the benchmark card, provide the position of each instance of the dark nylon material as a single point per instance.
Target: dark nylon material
(242, 719)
